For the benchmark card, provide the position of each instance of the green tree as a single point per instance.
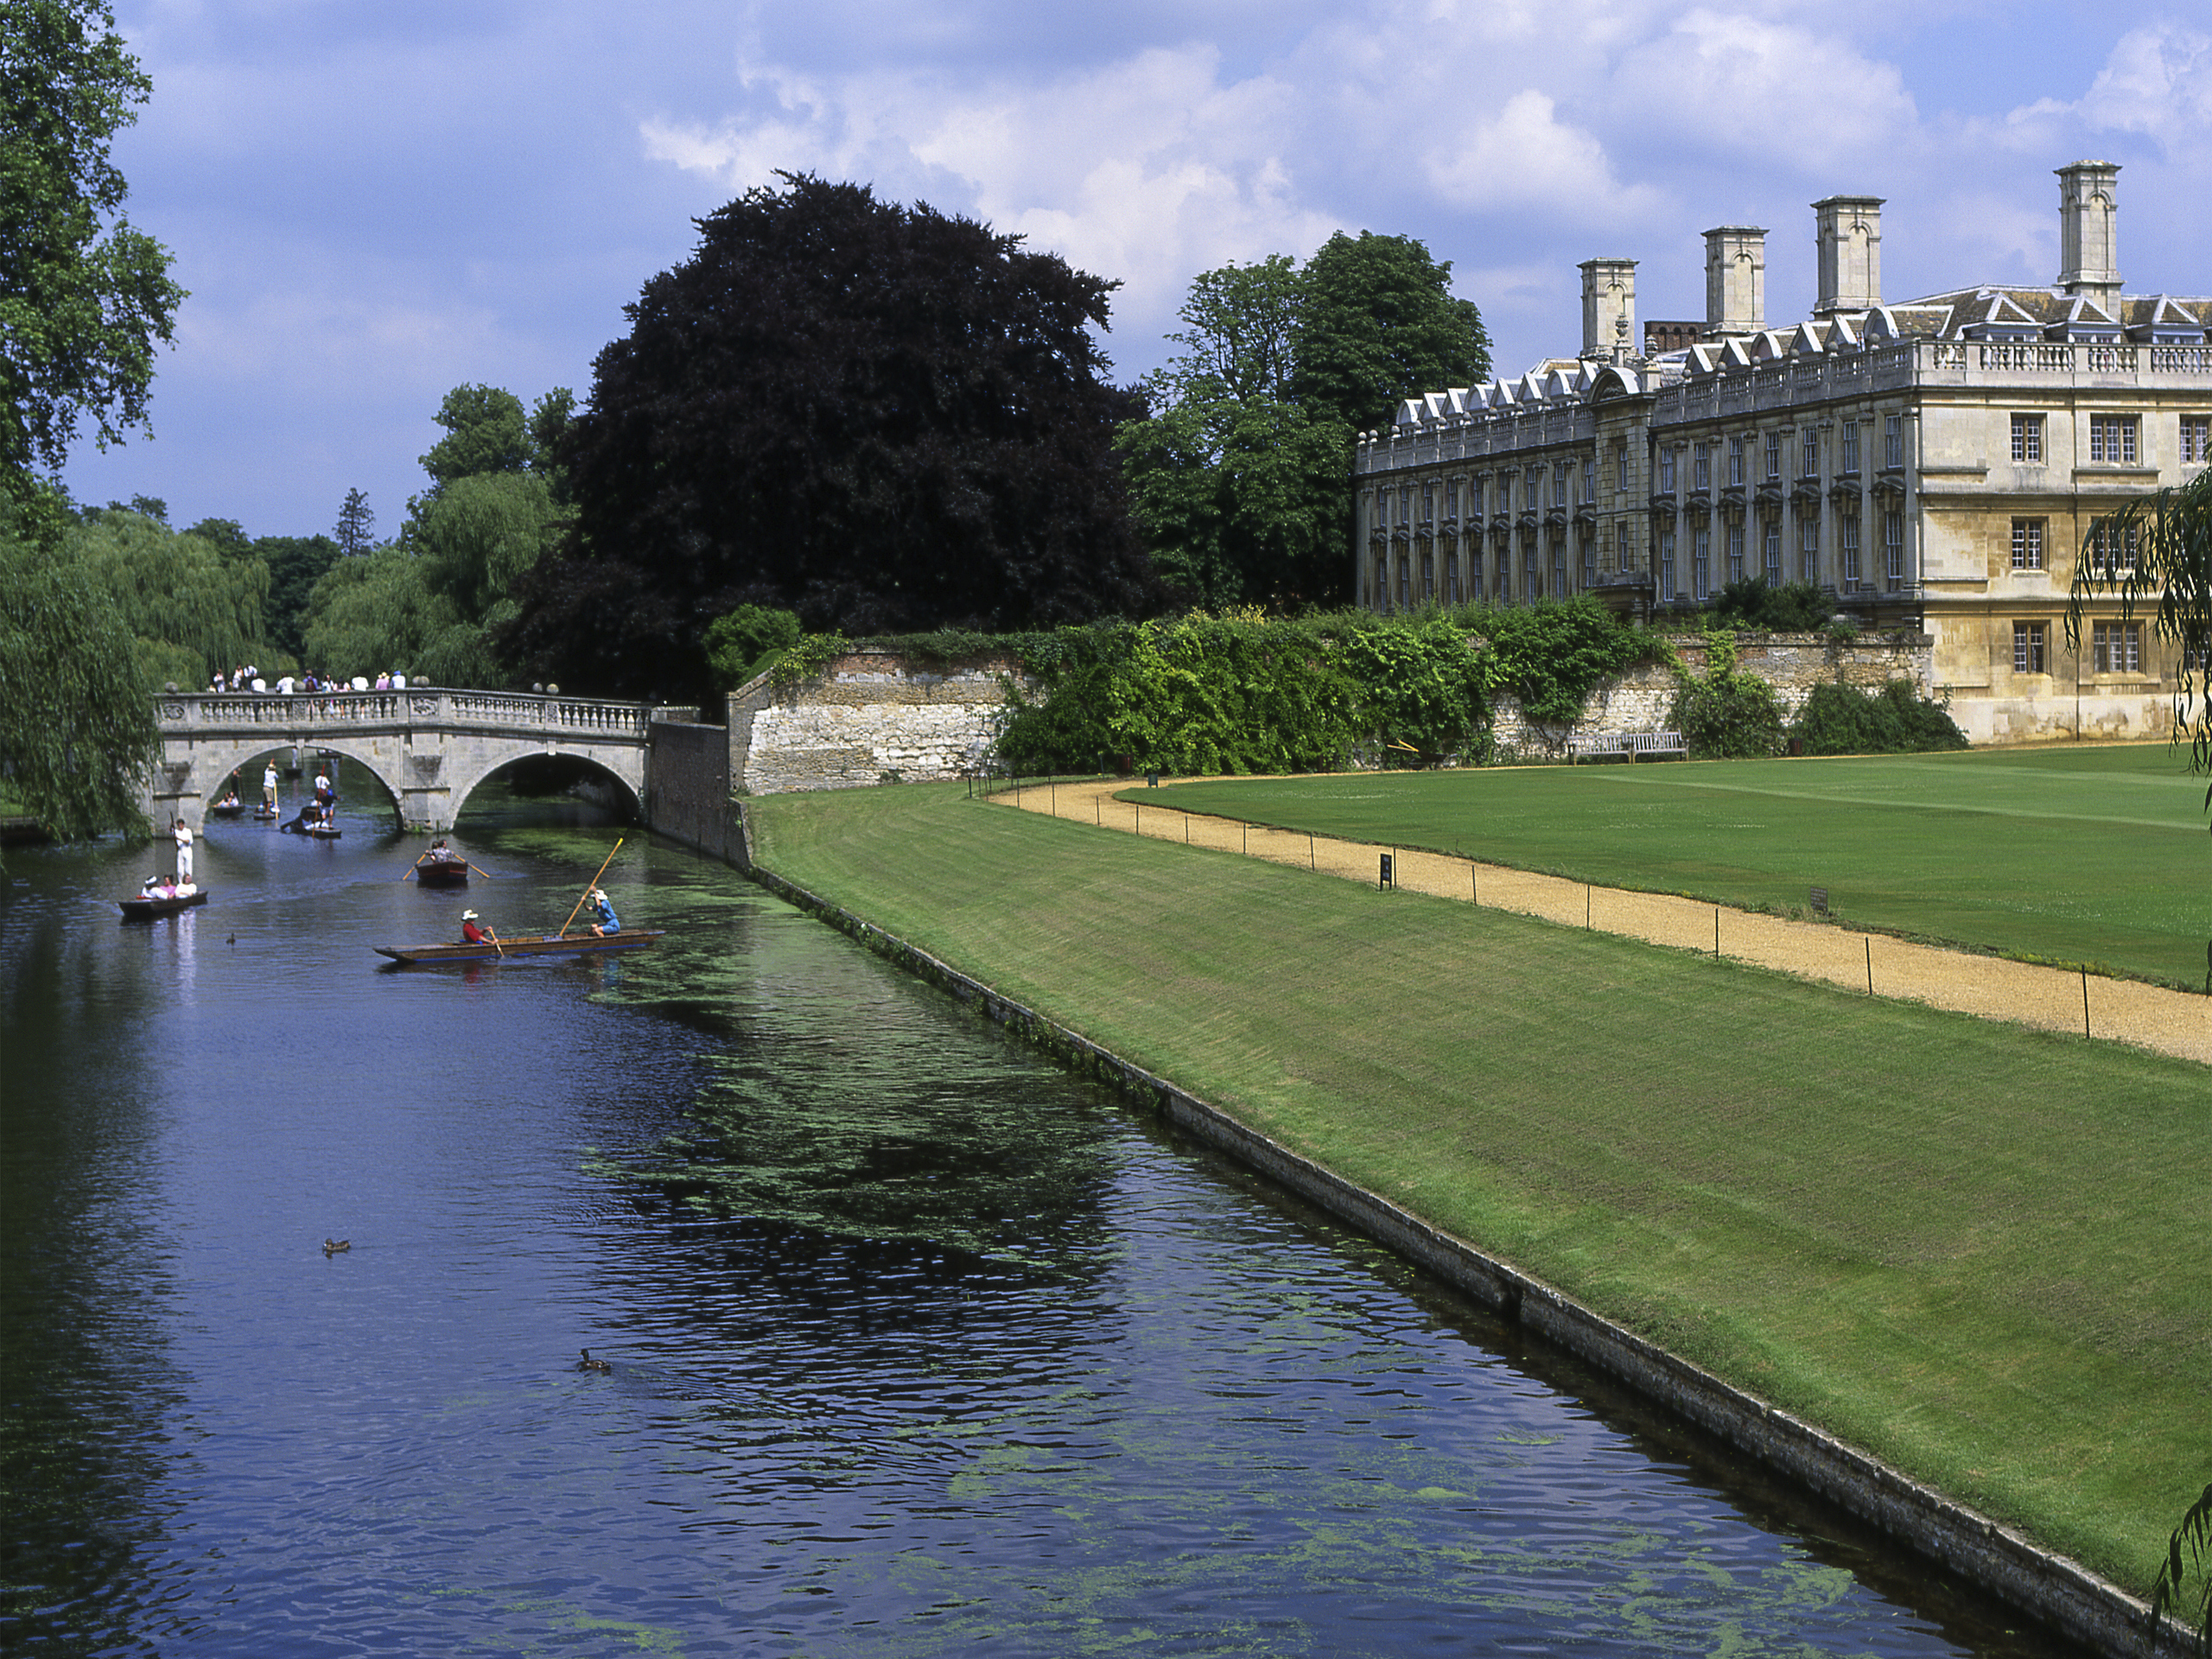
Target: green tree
(741, 644)
(295, 564)
(77, 724)
(376, 612)
(84, 297)
(2156, 555)
(186, 608)
(357, 526)
(486, 432)
(1379, 325)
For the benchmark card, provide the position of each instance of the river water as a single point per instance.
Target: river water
(917, 1345)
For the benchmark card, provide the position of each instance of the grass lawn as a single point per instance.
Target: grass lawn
(1972, 1249)
(2095, 854)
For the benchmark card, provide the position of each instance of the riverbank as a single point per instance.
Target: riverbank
(1946, 1241)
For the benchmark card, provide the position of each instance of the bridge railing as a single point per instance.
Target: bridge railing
(417, 706)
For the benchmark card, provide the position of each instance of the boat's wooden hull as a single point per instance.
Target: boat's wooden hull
(237, 809)
(149, 910)
(442, 872)
(528, 945)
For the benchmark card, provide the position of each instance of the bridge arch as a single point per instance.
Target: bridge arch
(213, 762)
(632, 788)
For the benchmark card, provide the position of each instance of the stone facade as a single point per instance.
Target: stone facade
(868, 718)
(1936, 465)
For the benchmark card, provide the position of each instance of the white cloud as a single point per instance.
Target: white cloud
(2158, 81)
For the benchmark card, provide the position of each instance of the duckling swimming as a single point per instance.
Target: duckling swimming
(588, 1364)
(332, 1246)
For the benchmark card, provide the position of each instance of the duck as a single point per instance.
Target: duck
(333, 1246)
(588, 1364)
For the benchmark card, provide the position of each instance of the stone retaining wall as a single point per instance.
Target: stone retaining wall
(870, 717)
(1643, 700)
(688, 789)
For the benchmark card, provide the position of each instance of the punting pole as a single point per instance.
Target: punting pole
(589, 885)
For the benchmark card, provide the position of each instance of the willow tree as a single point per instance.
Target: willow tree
(2155, 554)
(77, 723)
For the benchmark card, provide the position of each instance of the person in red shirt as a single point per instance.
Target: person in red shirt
(473, 934)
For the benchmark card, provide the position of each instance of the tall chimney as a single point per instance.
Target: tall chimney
(1608, 308)
(1735, 281)
(2089, 232)
(1848, 231)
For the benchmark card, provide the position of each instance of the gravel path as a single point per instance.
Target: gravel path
(2169, 1022)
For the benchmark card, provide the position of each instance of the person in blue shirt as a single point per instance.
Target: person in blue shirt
(603, 920)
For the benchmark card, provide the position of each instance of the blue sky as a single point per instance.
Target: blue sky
(372, 204)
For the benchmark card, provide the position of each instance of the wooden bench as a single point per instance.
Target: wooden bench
(1590, 746)
(1641, 745)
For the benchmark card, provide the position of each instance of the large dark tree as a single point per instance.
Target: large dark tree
(1381, 324)
(875, 415)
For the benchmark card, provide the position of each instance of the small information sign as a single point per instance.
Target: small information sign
(1819, 901)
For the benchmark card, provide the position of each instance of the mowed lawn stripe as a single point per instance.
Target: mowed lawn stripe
(1962, 1246)
(2095, 855)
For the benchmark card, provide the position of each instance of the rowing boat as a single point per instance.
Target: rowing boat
(146, 907)
(526, 945)
(441, 869)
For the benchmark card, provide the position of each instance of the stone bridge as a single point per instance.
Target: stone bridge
(428, 747)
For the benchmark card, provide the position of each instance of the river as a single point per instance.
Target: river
(918, 1346)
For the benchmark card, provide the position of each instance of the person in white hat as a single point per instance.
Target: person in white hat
(472, 932)
(603, 920)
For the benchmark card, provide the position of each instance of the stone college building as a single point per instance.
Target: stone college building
(1936, 464)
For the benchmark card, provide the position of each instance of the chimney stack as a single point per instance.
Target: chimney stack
(1848, 232)
(2088, 232)
(1608, 308)
(1735, 281)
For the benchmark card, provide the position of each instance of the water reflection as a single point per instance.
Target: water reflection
(919, 1346)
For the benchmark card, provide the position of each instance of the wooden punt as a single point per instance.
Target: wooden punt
(526, 945)
(227, 809)
(147, 908)
(442, 870)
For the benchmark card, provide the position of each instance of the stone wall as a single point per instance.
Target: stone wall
(688, 789)
(1793, 663)
(870, 717)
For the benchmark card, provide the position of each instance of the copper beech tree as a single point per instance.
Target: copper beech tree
(878, 417)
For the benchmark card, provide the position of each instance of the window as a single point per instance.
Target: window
(2027, 647)
(1851, 447)
(1666, 472)
(1558, 484)
(2116, 648)
(1590, 481)
(1811, 467)
(1736, 462)
(1474, 497)
(1666, 566)
(2111, 439)
(1701, 561)
(1427, 577)
(2111, 553)
(1559, 567)
(1382, 589)
(1405, 583)
(1700, 466)
(1894, 548)
(2027, 443)
(1428, 503)
(1532, 489)
(1475, 571)
(1589, 560)
(1534, 586)
(1505, 576)
(1451, 499)
(1771, 546)
(1773, 456)
(1808, 549)
(1735, 552)
(1405, 505)
(2195, 439)
(1893, 439)
(1850, 531)
(1620, 464)
(1382, 509)
(2027, 544)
